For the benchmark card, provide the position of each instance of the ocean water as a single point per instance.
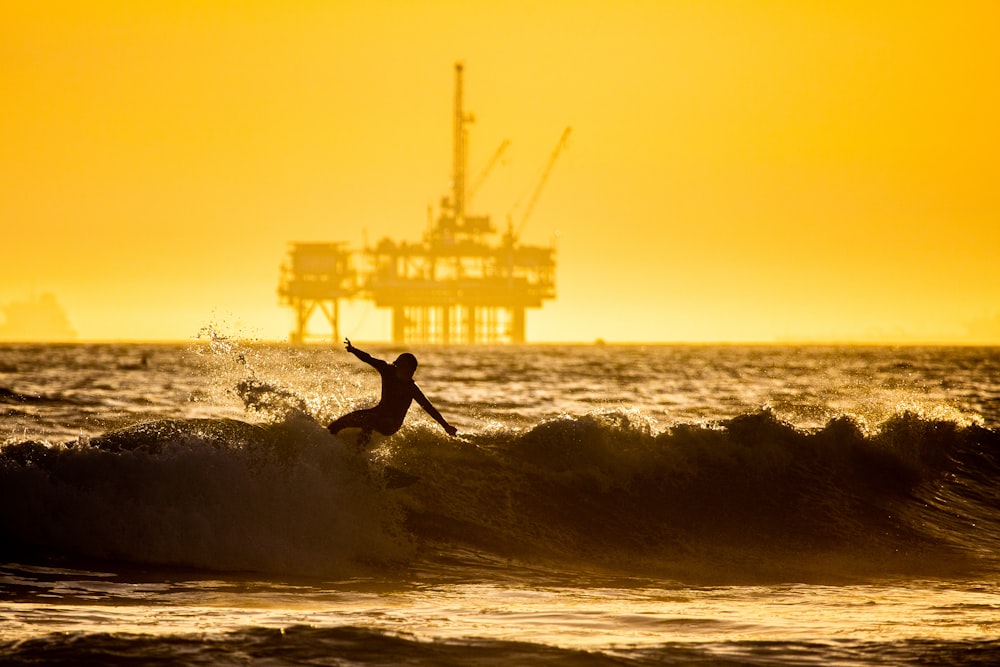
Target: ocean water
(603, 505)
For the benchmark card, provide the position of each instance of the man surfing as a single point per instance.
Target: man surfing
(398, 392)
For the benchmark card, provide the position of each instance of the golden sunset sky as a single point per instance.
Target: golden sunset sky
(750, 170)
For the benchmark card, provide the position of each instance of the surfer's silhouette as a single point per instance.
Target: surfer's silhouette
(398, 392)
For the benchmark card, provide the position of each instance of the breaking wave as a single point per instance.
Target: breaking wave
(747, 499)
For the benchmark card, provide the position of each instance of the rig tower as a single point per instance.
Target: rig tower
(453, 286)
(317, 275)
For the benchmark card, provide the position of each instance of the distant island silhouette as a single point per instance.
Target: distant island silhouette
(39, 318)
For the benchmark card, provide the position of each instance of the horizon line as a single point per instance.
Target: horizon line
(596, 342)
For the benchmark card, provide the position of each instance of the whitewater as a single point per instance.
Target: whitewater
(601, 505)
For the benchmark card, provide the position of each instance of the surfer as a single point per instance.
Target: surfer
(398, 392)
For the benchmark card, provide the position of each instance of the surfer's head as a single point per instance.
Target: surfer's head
(406, 365)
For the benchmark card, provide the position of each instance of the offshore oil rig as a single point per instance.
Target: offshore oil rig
(454, 286)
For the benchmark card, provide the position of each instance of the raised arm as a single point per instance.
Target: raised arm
(432, 411)
(362, 355)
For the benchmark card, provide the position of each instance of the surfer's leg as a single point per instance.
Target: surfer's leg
(356, 419)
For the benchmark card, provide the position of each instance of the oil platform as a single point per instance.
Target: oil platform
(453, 286)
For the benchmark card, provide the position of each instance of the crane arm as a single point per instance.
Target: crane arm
(545, 177)
(487, 169)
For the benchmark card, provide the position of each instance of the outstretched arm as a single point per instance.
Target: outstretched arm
(432, 411)
(361, 354)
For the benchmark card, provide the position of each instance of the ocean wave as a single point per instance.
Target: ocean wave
(747, 498)
(11, 396)
(215, 494)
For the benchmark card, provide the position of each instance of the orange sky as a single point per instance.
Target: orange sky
(738, 171)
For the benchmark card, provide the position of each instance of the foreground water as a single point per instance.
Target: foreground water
(603, 505)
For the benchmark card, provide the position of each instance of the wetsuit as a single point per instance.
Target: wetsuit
(397, 395)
